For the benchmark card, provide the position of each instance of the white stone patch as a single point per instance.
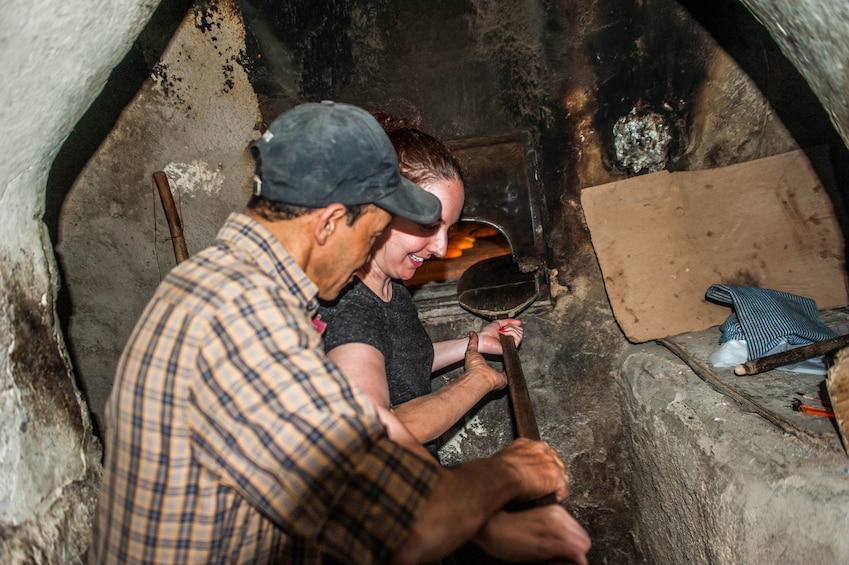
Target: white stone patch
(189, 178)
(11, 421)
(678, 400)
(475, 426)
(472, 427)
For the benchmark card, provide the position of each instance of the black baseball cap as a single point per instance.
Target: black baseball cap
(319, 153)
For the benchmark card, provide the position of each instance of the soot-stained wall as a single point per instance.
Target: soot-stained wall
(607, 90)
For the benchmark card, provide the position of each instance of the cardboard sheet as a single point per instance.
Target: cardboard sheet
(663, 238)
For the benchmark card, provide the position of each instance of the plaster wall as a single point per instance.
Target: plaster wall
(813, 36)
(49, 459)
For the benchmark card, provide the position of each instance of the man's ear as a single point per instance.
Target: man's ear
(328, 221)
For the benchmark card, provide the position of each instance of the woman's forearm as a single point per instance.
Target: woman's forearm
(448, 352)
(429, 416)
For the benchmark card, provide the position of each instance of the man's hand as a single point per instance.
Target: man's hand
(466, 497)
(477, 367)
(539, 469)
(539, 534)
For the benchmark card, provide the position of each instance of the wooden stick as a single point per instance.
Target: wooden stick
(181, 252)
(523, 411)
(520, 400)
(761, 364)
(705, 372)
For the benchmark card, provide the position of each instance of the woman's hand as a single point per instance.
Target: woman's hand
(490, 341)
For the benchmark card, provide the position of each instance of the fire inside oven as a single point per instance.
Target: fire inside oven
(468, 243)
(501, 216)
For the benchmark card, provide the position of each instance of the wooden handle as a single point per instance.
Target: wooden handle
(175, 226)
(520, 401)
(770, 362)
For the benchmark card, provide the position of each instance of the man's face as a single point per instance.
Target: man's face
(348, 248)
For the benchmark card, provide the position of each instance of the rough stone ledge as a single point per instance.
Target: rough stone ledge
(714, 483)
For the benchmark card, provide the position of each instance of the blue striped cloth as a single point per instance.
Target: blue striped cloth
(764, 318)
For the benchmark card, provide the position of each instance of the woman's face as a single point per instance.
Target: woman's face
(405, 245)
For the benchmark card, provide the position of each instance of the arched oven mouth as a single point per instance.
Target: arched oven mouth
(502, 215)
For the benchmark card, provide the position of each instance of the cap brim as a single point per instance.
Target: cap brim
(412, 202)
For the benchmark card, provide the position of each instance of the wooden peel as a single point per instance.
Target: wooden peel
(770, 362)
(496, 289)
(175, 226)
(520, 400)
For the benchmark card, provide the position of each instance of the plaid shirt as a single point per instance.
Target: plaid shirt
(231, 438)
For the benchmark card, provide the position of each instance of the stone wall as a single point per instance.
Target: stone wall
(717, 483)
(813, 35)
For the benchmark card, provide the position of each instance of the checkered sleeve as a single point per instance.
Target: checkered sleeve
(377, 507)
(278, 423)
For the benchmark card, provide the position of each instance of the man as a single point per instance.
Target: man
(231, 438)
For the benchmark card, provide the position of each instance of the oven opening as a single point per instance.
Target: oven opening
(468, 243)
(434, 286)
(502, 215)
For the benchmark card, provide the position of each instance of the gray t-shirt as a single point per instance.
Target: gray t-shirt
(393, 328)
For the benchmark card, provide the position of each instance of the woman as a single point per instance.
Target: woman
(374, 335)
(373, 332)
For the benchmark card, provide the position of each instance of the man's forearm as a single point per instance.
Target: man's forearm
(464, 498)
(462, 501)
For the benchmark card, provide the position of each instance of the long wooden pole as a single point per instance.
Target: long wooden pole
(520, 400)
